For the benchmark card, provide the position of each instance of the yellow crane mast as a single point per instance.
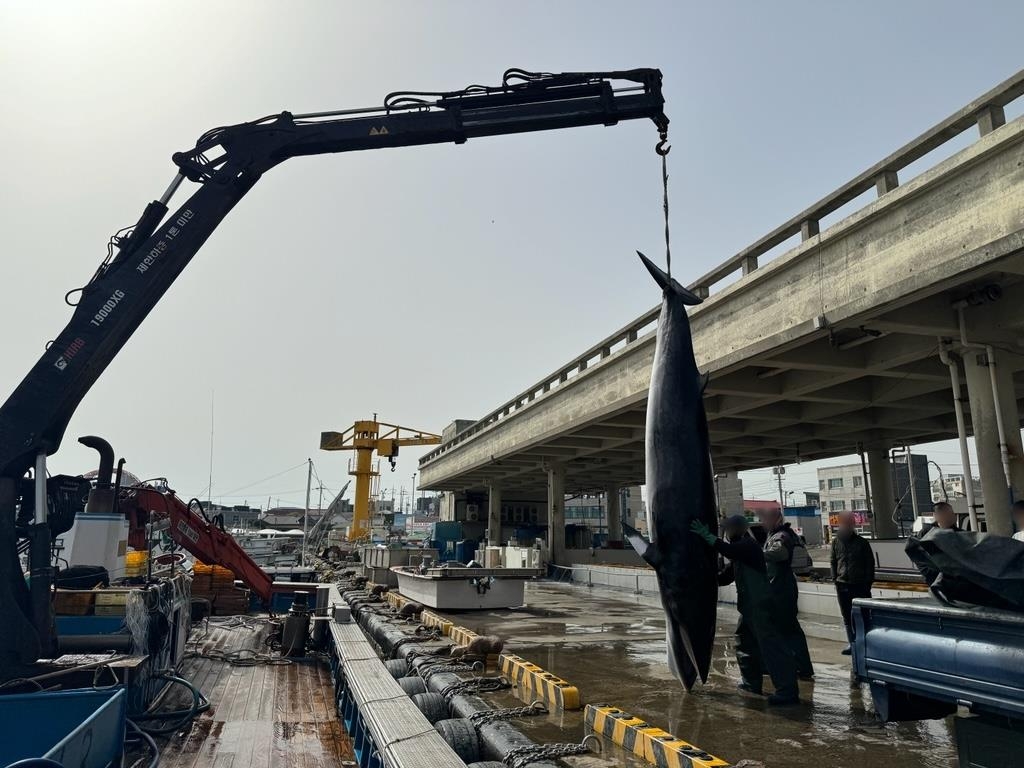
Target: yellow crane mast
(365, 437)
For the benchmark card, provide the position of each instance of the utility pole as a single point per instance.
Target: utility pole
(412, 495)
(779, 472)
(305, 518)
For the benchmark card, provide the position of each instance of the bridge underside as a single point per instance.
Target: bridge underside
(831, 346)
(876, 380)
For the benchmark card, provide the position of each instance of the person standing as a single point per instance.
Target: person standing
(1017, 510)
(853, 570)
(945, 517)
(778, 556)
(759, 644)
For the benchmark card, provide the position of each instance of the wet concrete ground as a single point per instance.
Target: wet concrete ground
(611, 646)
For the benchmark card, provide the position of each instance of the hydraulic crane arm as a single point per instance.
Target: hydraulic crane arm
(227, 162)
(200, 537)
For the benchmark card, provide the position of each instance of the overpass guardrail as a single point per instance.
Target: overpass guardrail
(986, 113)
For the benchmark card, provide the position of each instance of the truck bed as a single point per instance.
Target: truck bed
(925, 659)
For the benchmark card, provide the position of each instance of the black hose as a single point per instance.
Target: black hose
(181, 717)
(150, 742)
(36, 762)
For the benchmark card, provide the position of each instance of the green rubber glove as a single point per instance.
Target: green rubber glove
(704, 532)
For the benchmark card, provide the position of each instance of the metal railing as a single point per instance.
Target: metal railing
(986, 112)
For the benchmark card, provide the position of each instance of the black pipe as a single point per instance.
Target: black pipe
(117, 484)
(106, 470)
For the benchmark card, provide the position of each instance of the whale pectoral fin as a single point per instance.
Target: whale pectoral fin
(644, 548)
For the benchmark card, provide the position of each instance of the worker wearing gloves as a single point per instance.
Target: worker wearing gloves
(759, 644)
(778, 556)
(853, 569)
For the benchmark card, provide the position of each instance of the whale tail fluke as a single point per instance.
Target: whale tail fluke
(668, 283)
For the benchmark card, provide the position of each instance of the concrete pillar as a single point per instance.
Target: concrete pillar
(494, 515)
(556, 514)
(613, 510)
(883, 499)
(986, 438)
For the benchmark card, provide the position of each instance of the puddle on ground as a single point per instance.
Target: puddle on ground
(622, 662)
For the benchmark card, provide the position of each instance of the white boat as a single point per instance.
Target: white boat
(268, 546)
(462, 588)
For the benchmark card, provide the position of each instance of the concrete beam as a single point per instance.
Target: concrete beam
(956, 224)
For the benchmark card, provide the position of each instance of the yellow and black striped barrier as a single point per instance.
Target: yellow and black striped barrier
(461, 635)
(395, 600)
(654, 745)
(554, 690)
(431, 619)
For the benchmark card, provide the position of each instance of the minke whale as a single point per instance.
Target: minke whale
(680, 489)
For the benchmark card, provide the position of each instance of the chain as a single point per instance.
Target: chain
(485, 716)
(476, 685)
(429, 670)
(662, 149)
(520, 757)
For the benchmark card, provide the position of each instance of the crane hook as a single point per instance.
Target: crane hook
(662, 147)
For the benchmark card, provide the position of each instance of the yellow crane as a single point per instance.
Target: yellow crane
(365, 437)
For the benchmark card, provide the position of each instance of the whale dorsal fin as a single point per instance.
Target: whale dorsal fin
(644, 548)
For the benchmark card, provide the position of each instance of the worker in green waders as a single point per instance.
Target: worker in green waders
(760, 646)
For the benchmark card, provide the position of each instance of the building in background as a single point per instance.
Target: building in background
(590, 511)
(729, 490)
(843, 489)
(238, 517)
(905, 497)
(289, 518)
(812, 499)
(954, 491)
(806, 521)
(752, 506)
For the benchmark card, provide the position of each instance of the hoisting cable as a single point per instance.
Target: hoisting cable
(662, 148)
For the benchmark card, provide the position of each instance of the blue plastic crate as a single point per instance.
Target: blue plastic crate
(81, 728)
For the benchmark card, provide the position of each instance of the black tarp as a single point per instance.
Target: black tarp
(967, 567)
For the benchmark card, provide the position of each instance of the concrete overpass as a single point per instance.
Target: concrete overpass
(831, 347)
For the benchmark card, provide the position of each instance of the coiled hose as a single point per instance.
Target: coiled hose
(180, 717)
(145, 737)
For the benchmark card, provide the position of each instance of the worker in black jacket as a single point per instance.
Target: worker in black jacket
(759, 644)
(853, 569)
(778, 556)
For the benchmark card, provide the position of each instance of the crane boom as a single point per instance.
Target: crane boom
(366, 438)
(143, 263)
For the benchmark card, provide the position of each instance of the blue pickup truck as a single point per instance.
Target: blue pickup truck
(924, 659)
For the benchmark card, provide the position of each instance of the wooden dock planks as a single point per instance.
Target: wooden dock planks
(265, 716)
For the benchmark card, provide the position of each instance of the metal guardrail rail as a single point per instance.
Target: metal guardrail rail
(986, 112)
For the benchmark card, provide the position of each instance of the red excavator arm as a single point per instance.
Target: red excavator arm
(204, 539)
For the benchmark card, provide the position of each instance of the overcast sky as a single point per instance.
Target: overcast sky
(432, 283)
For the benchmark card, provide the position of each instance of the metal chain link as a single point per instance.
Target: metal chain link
(485, 716)
(520, 757)
(429, 670)
(476, 685)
